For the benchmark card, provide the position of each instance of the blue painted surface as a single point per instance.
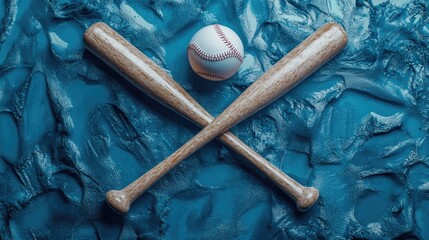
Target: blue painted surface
(71, 129)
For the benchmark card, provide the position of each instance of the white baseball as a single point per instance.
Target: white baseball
(215, 52)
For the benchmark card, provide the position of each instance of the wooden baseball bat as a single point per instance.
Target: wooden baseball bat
(168, 92)
(137, 68)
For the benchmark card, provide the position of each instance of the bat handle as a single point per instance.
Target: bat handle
(305, 197)
(120, 200)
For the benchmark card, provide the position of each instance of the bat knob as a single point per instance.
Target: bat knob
(307, 199)
(118, 201)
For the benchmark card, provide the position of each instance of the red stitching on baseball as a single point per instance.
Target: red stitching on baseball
(212, 57)
(228, 43)
(212, 75)
(232, 53)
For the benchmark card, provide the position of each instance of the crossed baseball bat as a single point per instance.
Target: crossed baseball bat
(142, 72)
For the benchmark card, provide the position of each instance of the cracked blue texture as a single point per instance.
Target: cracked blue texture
(71, 128)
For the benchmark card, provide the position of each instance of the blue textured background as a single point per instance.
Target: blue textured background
(71, 129)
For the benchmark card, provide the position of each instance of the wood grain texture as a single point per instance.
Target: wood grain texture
(151, 79)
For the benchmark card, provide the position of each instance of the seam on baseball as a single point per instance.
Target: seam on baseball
(228, 43)
(212, 57)
(220, 77)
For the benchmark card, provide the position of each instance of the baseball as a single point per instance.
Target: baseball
(215, 52)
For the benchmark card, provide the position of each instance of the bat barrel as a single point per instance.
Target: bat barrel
(142, 72)
(298, 64)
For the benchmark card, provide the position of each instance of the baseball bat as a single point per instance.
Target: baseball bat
(171, 94)
(134, 66)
